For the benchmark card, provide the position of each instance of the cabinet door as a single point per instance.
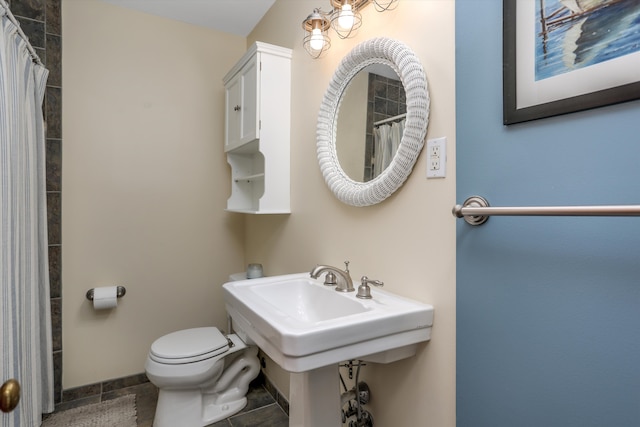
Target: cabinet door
(249, 126)
(233, 98)
(242, 114)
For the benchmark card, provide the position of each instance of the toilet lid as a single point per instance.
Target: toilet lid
(189, 345)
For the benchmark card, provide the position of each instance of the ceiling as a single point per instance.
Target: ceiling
(230, 16)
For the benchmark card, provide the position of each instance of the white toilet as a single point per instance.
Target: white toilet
(202, 375)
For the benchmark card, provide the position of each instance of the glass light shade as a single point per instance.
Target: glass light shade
(345, 20)
(345, 17)
(316, 42)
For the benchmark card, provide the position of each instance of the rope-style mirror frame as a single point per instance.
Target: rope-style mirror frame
(406, 64)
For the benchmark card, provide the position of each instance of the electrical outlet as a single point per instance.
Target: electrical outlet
(437, 158)
(434, 163)
(435, 150)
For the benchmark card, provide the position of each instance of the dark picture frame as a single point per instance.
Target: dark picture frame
(512, 76)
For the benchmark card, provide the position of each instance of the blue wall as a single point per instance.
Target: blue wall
(548, 323)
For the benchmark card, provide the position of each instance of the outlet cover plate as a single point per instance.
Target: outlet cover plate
(437, 158)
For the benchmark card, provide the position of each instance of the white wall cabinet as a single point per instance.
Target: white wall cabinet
(257, 130)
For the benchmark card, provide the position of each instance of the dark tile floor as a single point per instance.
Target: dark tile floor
(261, 410)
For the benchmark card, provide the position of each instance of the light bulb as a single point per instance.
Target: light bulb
(316, 42)
(345, 17)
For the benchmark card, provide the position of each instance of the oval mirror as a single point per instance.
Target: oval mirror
(343, 163)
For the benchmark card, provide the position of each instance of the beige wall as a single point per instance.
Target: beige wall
(145, 183)
(408, 241)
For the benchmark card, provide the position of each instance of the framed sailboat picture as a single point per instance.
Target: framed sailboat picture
(562, 56)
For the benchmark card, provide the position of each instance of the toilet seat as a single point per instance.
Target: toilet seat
(189, 346)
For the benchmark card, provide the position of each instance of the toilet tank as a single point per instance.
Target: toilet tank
(234, 277)
(237, 276)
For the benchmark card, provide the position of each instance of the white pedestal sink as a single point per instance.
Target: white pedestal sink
(308, 329)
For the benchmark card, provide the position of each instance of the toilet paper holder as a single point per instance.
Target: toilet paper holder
(121, 290)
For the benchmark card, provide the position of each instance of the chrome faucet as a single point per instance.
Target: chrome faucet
(344, 282)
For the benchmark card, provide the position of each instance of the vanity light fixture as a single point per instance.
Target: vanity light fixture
(316, 41)
(344, 18)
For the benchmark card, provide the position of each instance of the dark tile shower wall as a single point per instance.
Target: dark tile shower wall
(41, 22)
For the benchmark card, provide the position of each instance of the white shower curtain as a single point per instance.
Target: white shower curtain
(25, 320)
(387, 138)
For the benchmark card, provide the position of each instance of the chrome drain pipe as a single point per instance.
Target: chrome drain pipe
(356, 397)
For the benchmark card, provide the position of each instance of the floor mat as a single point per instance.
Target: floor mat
(120, 412)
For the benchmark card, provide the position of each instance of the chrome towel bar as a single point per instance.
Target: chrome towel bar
(476, 210)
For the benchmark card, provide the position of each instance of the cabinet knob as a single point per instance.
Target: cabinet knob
(236, 108)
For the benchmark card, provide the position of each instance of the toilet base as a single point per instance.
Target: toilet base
(214, 400)
(214, 413)
(191, 408)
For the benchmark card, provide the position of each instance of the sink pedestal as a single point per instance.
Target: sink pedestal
(314, 399)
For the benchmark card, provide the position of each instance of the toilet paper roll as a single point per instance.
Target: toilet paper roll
(105, 297)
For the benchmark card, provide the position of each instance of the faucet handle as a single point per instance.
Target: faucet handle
(346, 266)
(364, 291)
